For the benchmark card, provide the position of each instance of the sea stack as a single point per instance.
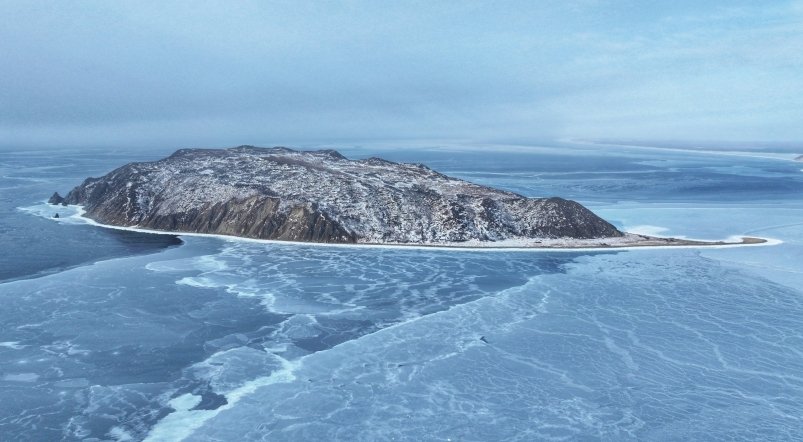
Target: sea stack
(56, 199)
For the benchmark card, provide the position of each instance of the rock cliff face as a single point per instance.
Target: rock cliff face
(321, 196)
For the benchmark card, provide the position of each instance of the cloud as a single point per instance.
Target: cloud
(149, 73)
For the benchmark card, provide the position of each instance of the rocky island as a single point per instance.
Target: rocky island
(321, 196)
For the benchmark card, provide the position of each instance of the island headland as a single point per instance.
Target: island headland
(323, 197)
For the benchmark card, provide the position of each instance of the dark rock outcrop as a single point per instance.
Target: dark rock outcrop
(321, 196)
(56, 199)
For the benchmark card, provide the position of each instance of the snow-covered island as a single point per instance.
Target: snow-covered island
(321, 196)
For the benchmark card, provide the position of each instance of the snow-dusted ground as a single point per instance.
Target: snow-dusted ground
(376, 201)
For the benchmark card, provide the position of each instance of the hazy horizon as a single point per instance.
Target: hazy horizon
(146, 74)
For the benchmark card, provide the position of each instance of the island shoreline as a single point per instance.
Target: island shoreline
(649, 242)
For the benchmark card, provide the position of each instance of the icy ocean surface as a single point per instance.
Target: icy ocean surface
(113, 335)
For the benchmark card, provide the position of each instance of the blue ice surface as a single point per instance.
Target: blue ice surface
(231, 340)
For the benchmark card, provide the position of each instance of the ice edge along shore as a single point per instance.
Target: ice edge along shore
(630, 241)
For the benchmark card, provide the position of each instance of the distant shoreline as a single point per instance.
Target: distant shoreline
(768, 155)
(628, 242)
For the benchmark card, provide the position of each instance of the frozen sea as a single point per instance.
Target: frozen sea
(114, 335)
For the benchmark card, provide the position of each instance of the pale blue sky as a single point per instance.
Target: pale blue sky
(209, 73)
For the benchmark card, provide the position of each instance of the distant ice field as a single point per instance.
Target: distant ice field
(215, 339)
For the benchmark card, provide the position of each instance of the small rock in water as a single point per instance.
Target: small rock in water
(56, 215)
(56, 199)
(211, 401)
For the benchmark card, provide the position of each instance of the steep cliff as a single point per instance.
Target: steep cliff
(321, 196)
